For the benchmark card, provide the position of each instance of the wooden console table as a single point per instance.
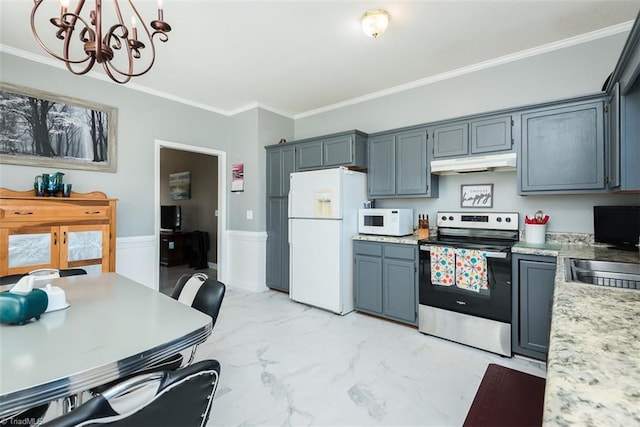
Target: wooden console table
(56, 232)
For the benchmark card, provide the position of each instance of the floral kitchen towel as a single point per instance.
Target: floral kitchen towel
(471, 269)
(443, 265)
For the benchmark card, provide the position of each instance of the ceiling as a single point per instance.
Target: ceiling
(297, 57)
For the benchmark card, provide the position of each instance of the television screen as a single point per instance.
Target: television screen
(616, 225)
(170, 217)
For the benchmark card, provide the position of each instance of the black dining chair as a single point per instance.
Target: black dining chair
(167, 398)
(201, 293)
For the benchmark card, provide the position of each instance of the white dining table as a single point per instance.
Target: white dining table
(113, 327)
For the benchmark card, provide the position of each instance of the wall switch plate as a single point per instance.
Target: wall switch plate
(249, 214)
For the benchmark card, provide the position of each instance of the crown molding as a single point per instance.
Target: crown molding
(528, 53)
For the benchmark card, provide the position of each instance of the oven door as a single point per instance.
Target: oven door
(493, 303)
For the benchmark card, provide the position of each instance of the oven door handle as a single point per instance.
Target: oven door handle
(496, 254)
(488, 254)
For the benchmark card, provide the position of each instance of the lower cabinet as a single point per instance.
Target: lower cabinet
(386, 280)
(534, 281)
(277, 268)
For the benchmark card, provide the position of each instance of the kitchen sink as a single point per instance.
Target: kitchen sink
(603, 273)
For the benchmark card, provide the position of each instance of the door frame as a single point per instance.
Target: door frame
(222, 197)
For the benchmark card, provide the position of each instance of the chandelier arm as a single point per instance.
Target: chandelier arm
(107, 69)
(65, 59)
(97, 43)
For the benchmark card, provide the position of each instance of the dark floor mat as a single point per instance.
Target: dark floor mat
(507, 398)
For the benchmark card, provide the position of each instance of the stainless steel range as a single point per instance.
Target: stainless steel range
(465, 279)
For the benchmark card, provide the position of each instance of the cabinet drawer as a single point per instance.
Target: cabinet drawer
(399, 251)
(17, 213)
(372, 249)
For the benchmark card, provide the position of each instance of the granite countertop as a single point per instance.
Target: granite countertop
(593, 367)
(411, 239)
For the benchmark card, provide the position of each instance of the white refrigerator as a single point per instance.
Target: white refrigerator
(323, 218)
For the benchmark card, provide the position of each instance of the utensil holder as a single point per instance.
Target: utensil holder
(535, 233)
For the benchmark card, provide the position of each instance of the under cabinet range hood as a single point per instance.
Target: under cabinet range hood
(494, 163)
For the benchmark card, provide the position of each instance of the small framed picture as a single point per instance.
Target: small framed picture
(476, 196)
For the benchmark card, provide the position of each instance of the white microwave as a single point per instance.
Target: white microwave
(385, 222)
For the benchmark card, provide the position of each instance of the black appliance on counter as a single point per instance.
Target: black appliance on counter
(481, 318)
(617, 225)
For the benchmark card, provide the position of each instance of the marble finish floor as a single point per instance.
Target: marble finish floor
(285, 363)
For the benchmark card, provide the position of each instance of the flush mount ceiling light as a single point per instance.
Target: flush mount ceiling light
(117, 47)
(374, 22)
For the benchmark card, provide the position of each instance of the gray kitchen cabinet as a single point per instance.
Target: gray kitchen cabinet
(624, 130)
(381, 174)
(386, 280)
(483, 135)
(562, 149)
(344, 149)
(310, 155)
(534, 281)
(629, 137)
(612, 110)
(412, 177)
(491, 134)
(368, 278)
(280, 163)
(451, 140)
(399, 165)
(277, 268)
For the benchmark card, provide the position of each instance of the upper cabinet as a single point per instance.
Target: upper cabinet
(623, 110)
(345, 149)
(491, 134)
(562, 149)
(451, 140)
(477, 136)
(399, 167)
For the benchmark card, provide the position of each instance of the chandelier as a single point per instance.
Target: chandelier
(118, 48)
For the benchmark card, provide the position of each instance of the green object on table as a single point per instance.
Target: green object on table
(19, 308)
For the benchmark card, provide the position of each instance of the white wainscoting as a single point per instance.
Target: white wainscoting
(246, 259)
(136, 259)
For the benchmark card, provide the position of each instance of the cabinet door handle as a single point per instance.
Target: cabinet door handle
(55, 238)
(22, 213)
(64, 238)
(91, 212)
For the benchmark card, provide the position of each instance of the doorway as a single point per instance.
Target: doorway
(194, 212)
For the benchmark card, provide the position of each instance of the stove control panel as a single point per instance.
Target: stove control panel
(486, 220)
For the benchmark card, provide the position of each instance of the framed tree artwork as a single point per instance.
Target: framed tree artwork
(43, 129)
